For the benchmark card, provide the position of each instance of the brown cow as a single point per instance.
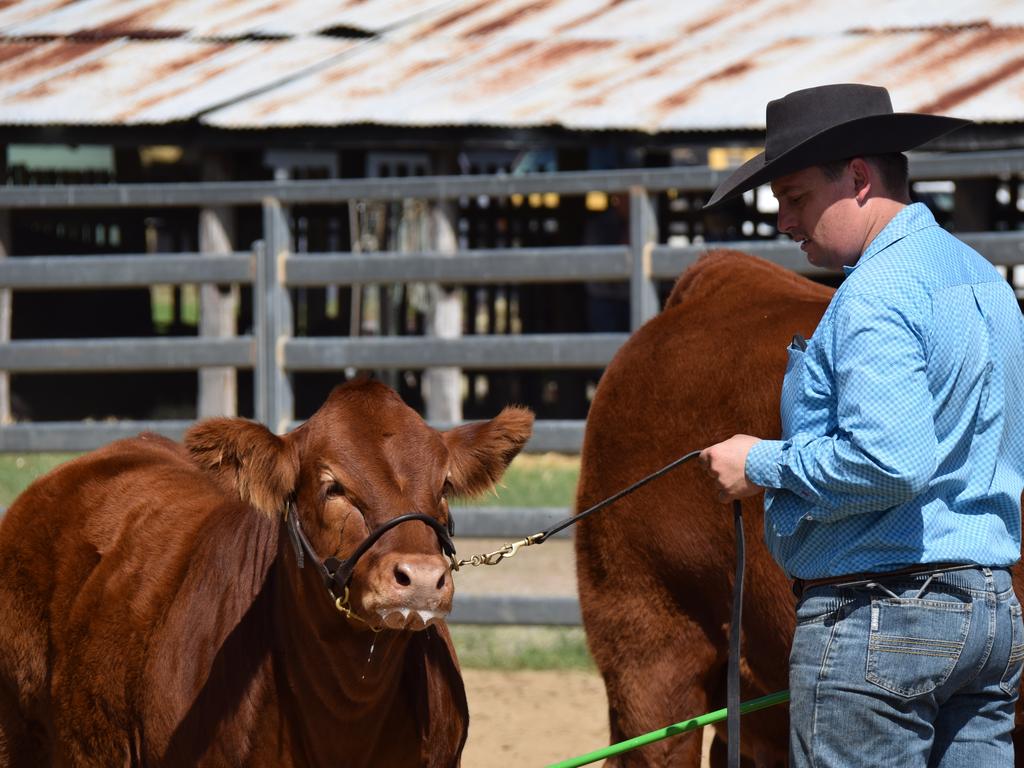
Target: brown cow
(655, 570)
(152, 611)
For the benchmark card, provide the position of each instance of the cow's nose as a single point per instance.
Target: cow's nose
(421, 576)
(411, 591)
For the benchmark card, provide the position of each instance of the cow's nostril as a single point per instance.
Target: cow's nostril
(440, 582)
(402, 577)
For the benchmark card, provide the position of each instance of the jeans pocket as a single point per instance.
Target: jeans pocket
(1011, 676)
(914, 644)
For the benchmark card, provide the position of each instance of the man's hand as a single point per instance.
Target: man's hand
(726, 463)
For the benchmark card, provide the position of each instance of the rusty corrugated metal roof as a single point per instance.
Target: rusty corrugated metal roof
(23, 11)
(700, 20)
(125, 82)
(652, 85)
(612, 64)
(206, 18)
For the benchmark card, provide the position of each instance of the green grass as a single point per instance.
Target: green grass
(17, 470)
(514, 648)
(547, 480)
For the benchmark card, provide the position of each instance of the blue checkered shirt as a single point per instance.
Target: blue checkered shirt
(903, 419)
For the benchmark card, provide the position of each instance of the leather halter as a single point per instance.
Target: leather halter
(337, 573)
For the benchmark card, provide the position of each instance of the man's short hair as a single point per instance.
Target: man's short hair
(892, 168)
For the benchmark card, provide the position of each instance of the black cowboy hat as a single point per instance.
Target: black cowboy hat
(821, 125)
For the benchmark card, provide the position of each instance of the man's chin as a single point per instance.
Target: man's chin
(823, 259)
(814, 255)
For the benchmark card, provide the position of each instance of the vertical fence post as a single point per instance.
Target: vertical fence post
(275, 402)
(643, 235)
(218, 389)
(5, 319)
(443, 385)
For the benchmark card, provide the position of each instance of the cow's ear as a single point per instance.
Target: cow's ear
(480, 452)
(261, 467)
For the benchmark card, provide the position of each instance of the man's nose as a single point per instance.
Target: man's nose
(784, 221)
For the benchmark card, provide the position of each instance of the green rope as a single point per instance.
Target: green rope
(663, 733)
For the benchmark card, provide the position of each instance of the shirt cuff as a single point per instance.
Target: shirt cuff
(764, 463)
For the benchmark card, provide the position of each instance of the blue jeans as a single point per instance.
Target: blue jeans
(910, 672)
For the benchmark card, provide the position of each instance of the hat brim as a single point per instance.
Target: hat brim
(871, 135)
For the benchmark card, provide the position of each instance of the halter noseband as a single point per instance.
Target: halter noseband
(337, 573)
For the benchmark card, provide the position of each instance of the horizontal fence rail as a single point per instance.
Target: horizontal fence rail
(963, 165)
(499, 522)
(272, 268)
(540, 351)
(510, 265)
(79, 436)
(80, 272)
(134, 354)
(515, 609)
(538, 265)
(549, 435)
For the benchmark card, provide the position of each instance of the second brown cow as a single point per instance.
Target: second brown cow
(153, 611)
(655, 571)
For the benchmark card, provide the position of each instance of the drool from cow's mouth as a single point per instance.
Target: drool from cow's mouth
(407, 618)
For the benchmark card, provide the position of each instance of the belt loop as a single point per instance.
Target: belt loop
(990, 582)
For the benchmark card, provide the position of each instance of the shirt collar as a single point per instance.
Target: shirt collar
(910, 219)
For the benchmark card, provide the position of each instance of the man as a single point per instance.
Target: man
(893, 497)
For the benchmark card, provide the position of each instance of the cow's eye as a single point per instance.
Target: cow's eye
(447, 490)
(334, 490)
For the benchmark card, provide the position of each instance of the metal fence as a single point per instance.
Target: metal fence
(273, 269)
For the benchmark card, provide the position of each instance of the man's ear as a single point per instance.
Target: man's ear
(262, 468)
(864, 177)
(480, 452)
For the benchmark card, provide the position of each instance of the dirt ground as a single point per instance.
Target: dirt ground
(529, 718)
(532, 718)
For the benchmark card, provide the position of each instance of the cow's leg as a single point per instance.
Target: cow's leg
(656, 664)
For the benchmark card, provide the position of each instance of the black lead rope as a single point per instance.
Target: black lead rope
(732, 695)
(507, 550)
(550, 531)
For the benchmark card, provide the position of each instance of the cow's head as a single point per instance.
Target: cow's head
(362, 459)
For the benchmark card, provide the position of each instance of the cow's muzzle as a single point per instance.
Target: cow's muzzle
(337, 573)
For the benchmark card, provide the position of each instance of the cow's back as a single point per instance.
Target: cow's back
(90, 558)
(707, 367)
(655, 569)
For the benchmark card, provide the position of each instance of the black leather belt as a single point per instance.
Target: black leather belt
(800, 586)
